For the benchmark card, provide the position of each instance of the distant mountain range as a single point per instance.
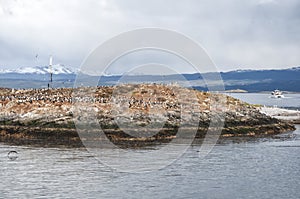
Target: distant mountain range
(249, 80)
(42, 70)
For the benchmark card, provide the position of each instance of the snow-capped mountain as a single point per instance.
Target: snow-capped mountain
(56, 70)
(250, 80)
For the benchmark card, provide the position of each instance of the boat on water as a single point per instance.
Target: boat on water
(277, 94)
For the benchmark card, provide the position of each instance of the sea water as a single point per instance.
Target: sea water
(289, 101)
(260, 168)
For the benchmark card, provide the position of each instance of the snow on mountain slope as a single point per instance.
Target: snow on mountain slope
(56, 69)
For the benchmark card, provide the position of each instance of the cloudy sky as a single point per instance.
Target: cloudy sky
(237, 34)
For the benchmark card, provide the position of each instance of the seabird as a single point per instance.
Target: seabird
(12, 155)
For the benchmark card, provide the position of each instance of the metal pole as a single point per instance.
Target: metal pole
(50, 70)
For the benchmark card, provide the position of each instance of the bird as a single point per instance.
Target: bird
(12, 155)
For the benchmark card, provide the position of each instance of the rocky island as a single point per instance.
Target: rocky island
(45, 117)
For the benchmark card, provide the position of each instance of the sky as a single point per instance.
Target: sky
(250, 34)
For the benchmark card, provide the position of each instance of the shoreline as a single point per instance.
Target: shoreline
(288, 115)
(54, 137)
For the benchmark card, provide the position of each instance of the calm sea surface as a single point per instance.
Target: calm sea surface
(289, 100)
(264, 168)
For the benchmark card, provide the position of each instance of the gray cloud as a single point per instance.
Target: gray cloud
(236, 34)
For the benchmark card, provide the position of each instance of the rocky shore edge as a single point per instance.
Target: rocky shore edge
(41, 117)
(292, 116)
(56, 137)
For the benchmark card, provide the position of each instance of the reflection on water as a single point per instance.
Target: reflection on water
(268, 168)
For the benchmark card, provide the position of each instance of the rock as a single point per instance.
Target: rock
(50, 113)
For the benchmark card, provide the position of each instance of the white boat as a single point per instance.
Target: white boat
(277, 94)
